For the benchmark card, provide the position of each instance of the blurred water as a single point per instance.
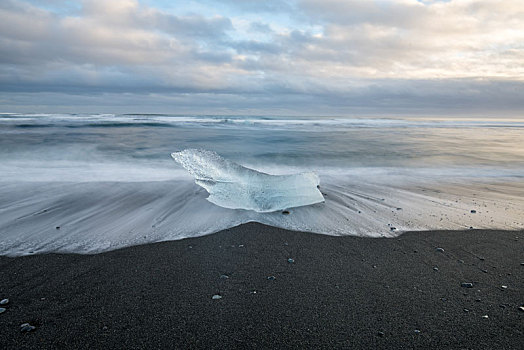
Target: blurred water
(358, 160)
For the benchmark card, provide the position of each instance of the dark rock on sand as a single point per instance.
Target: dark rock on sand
(26, 327)
(466, 285)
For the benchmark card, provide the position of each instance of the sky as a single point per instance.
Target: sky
(271, 57)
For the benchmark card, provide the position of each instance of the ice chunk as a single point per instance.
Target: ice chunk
(233, 186)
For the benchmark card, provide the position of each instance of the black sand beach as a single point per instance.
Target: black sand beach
(340, 292)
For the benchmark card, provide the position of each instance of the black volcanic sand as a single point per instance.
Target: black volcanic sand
(340, 292)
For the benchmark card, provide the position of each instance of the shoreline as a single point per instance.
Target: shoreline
(338, 292)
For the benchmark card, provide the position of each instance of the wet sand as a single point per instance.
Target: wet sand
(340, 292)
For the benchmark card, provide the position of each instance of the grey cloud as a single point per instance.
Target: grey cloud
(260, 27)
(365, 57)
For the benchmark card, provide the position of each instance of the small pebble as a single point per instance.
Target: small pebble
(381, 334)
(271, 278)
(4, 301)
(104, 328)
(473, 211)
(216, 297)
(58, 227)
(466, 285)
(504, 287)
(399, 208)
(254, 292)
(521, 308)
(392, 228)
(241, 246)
(417, 331)
(285, 212)
(26, 327)
(290, 260)
(2, 310)
(440, 250)
(522, 264)
(485, 316)
(225, 277)
(461, 261)
(435, 268)
(466, 310)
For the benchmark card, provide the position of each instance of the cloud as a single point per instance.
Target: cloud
(335, 55)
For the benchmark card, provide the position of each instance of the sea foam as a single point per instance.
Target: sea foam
(233, 186)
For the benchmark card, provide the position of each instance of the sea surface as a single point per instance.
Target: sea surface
(88, 183)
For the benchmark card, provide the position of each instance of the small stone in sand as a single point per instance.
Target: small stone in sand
(435, 268)
(485, 316)
(58, 227)
(466, 310)
(399, 208)
(381, 334)
(26, 327)
(285, 212)
(4, 302)
(417, 331)
(473, 211)
(521, 308)
(504, 287)
(466, 285)
(290, 260)
(224, 277)
(216, 297)
(2, 310)
(440, 250)
(392, 228)
(271, 278)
